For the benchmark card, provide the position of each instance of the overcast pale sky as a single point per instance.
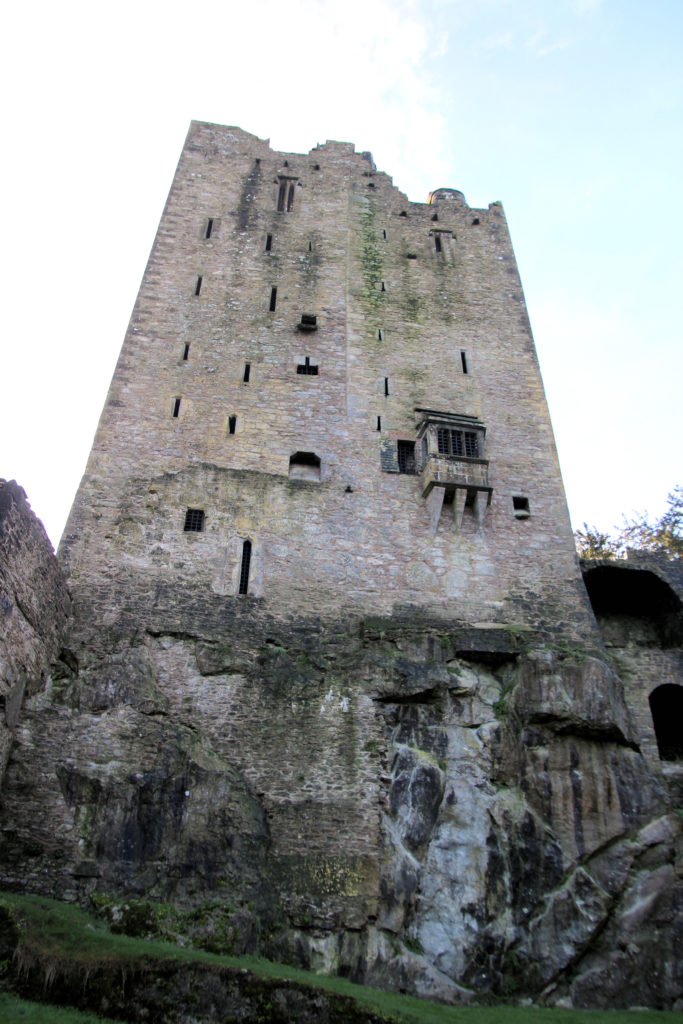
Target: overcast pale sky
(569, 111)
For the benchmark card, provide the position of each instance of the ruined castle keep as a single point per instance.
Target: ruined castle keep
(331, 668)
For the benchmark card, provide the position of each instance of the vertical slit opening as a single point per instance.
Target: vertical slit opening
(386, 385)
(281, 197)
(209, 228)
(290, 199)
(379, 333)
(198, 286)
(463, 361)
(269, 243)
(247, 372)
(437, 243)
(186, 353)
(383, 287)
(176, 408)
(232, 423)
(379, 422)
(273, 299)
(244, 568)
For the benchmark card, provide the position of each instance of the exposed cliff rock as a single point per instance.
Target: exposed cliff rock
(34, 608)
(441, 811)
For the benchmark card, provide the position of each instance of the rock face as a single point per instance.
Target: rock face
(34, 607)
(434, 810)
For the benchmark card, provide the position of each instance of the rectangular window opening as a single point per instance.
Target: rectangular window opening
(269, 243)
(437, 243)
(247, 373)
(186, 353)
(384, 287)
(194, 520)
(379, 422)
(308, 368)
(379, 333)
(406, 457)
(209, 228)
(290, 199)
(198, 286)
(273, 299)
(463, 361)
(244, 567)
(520, 505)
(232, 424)
(176, 408)
(281, 196)
(463, 443)
(386, 385)
(384, 235)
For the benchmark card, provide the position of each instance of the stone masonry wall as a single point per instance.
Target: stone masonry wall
(394, 316)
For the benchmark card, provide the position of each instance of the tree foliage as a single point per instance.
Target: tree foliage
(663, 536)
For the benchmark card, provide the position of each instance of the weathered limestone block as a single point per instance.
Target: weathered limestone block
(582, 697)
(34, 608)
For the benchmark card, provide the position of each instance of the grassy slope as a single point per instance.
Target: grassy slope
(60, 932)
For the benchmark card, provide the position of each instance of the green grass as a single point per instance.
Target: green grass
(17, 1011)
(61, 932)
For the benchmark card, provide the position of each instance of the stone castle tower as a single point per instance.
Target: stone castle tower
(328, 399)
(332, 683)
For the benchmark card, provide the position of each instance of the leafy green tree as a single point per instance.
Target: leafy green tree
(664, 536)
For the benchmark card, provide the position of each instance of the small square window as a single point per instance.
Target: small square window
(194, 520)
(520, 506)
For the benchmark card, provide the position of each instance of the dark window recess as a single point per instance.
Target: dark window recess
(208, 231)
(316, 167)
(666, 705)
(307, 367)
(269, 243)
(232, 423)
(281, 196)
(383, 286)
(476, 220)
(244, 567)
(379, 333)
(273, 299)
(186, 353)
(176, 408)
(286, 163)
(463, 443)
(290, 199)
(379, 422)
(308, 322)
(384, 235)
(198, 286)
(520, 506)
(386, 385)
(463, 361)
(406, 456)
(194, 520)
(403, 213)
(425, 450)
(247, 373)
(411, 255)
(435, 217)
(310, 246)
(437, 243)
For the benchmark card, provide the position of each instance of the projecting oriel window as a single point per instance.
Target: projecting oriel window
(463, 443)
(194, 520)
